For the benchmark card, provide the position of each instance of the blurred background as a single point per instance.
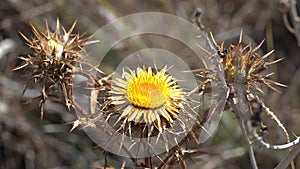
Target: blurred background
(27, 142)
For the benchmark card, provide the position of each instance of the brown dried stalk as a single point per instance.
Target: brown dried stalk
(288, 8)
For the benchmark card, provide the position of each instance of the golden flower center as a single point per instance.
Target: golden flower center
(153, 97)
(147, 91)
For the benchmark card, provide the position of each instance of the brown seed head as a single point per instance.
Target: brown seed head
(244, 65)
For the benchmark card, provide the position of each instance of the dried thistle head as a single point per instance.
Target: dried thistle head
(54, 60)
(54, 50)
(244, 65)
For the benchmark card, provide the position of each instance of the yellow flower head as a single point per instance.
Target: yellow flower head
(147, 96)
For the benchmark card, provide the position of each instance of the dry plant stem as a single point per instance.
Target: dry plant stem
(241, 116)
(289, 158)
(290, 6)
(241, 119)
(272, 146)
(274, 117)
(76, 105)
(295, 20)
(169, 156)
(211, 49)
(287, 24)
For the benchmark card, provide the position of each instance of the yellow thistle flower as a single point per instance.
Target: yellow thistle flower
(147, 96)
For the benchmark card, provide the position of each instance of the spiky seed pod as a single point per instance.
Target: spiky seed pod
(244, 65)
(54, 60)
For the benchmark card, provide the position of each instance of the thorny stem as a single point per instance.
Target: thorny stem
(237, 111)
(171, 155)
(243, 123)
(241, 114)
(210, 46)
(272, 146)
